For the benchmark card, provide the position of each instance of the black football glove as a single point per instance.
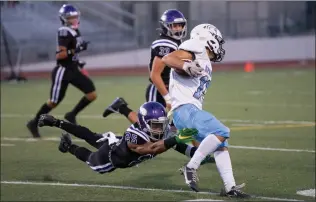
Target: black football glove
(48, 120)
(81, 64)
(82, 47)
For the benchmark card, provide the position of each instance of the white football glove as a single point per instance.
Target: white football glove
(170, 116)
(110, 136)
(193, 68)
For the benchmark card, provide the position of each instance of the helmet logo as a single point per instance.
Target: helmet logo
(178, 20)
(143, 111)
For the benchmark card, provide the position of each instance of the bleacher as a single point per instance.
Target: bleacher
(116, 26)
(33, 25)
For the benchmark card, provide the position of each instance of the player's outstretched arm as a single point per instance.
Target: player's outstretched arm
(184, 136)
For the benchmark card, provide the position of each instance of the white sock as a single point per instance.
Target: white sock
(207, 146)
(224, 167)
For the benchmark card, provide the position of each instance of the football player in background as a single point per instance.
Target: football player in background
(68, 69)
(141, 141)
(173, 27)
(187, 92)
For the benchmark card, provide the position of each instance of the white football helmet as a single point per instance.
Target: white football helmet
(212, 38)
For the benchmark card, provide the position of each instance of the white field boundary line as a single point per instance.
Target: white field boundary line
(129, 188)
(7, 145)
(250, 104)
(57, 139)
(115, 117)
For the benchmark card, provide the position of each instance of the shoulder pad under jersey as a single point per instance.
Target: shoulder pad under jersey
(68, 29)
(192, 45)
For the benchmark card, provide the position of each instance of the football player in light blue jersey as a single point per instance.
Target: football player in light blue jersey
(189, 80)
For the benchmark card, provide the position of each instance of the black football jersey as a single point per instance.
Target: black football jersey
(121, 156)
(70, 39)
(160, 48)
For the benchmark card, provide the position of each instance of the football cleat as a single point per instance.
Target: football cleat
(47, 120)
(65, 143)
(114, 107)
(71, 118)
(32, 126)
(235, 192)
(191, 177)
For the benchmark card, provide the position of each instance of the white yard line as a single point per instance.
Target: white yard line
(272, 149)
(255, 104)
(127, 188)
(94, 116)
(202, 200)
(7, 145)
(57, 139)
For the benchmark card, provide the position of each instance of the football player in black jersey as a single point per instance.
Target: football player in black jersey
(68, 69)
(141, 141)
(173, 26)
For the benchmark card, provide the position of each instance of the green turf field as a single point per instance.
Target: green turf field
(271, 114)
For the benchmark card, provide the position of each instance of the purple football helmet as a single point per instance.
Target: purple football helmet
(69, 16)
(152, 119)
(170, 18)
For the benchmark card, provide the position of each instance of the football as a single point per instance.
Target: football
(181, 72)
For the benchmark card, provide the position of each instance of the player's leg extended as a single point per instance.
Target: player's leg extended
(213, 137)
(98, 161)
(119, 105)
(57, 93)
(82, 133)
(85, 84)
(76, 130)
(189, 116)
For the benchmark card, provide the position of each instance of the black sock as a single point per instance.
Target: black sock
(125, 110)
(192, 151)
(182, 148)
(80, 152)
(45, 109)
(81, 105)
(72, 149)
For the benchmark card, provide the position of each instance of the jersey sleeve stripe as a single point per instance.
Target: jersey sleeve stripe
(73, 32)
(141, 132)
(165, 40)
(170, 45)
(145, 135)
(132, 130)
